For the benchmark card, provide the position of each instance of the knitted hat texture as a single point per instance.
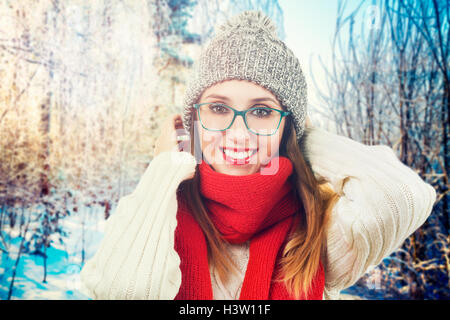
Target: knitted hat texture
(247, 47)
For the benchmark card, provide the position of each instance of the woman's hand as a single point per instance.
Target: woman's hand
(167, 140)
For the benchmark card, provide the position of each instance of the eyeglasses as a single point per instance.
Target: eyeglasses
(260, 120)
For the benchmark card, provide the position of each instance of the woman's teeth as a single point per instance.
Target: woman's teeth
(238, 155)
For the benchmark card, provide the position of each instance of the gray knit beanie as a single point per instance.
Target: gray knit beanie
(247, 47)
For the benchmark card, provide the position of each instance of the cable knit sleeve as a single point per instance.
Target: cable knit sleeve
(136, 258)
(382, 202)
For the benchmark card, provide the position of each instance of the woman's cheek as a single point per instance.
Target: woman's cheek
(210, 143)
(267, 151)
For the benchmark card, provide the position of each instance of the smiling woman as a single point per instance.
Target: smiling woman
(262, 205)
(239, 146)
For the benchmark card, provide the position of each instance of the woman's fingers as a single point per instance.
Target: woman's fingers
(178, 122)
(167, 139)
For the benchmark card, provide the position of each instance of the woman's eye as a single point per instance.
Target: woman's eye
(261, 112)
(217, 108)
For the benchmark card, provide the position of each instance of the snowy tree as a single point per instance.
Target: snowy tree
(387, 85)
(84, 87)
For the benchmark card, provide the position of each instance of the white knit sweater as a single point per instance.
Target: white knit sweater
(381, 203)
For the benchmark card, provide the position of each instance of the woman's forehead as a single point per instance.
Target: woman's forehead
(239, 90)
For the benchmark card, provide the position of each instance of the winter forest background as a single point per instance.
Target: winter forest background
(84, 86)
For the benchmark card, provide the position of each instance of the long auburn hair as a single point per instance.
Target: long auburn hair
(305, 244)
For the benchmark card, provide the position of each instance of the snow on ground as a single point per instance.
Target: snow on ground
(63, 262)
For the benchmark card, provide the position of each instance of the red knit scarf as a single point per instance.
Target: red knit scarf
(254, 207)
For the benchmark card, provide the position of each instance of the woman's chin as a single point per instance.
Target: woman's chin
(235, 169)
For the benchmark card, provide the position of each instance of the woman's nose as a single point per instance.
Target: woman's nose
(238, 130)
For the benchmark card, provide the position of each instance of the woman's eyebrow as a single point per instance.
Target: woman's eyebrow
(252, 100)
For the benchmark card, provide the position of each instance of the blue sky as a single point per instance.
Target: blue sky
(309, 27)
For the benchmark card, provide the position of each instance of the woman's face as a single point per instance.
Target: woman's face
(226, 150)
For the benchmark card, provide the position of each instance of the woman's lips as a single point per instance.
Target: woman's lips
(238, 161)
